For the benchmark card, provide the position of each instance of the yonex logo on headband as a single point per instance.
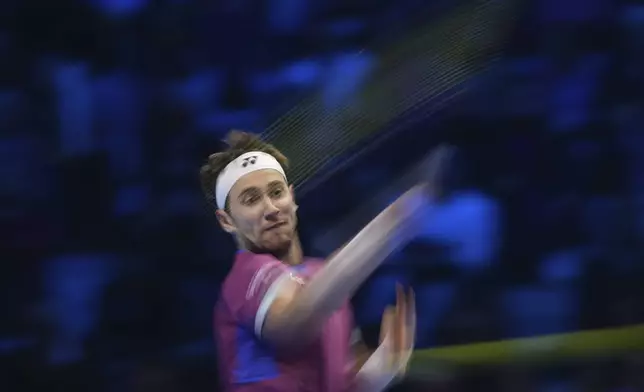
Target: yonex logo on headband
(244, 164)
(249, 160)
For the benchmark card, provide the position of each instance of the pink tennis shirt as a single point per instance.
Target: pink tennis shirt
(248, 363)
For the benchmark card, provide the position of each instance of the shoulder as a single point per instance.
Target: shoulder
(251, 269)
(247, 262)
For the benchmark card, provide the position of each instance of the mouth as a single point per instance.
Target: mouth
(275, 226)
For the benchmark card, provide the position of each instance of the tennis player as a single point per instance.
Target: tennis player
(283, 321)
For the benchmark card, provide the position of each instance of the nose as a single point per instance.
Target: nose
(270, 210)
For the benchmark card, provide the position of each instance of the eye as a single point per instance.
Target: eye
(251, 199)
(276, 193)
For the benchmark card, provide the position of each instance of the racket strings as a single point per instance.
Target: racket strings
(437, 61)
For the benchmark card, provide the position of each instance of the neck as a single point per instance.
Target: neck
(294, 254)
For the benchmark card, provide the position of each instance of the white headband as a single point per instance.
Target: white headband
(242, 165)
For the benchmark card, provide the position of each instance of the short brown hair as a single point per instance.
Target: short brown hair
(238, 143)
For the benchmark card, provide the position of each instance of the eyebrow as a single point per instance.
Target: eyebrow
(275, 183)
(247, 191)
(250, 189)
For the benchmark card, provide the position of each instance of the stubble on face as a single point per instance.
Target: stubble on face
(264, 213)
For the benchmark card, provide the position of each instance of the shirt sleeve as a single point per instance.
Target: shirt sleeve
(256, 285)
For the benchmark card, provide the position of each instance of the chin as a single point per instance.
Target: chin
(278, 248)
(274, 246)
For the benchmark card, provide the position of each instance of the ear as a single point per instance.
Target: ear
(292, 190)
(225, 221)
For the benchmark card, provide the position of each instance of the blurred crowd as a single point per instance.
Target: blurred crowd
(111, 261)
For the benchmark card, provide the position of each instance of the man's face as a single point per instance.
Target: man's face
(262, 212)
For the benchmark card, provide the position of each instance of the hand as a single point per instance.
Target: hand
(398, 329)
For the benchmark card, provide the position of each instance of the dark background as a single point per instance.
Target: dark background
(111, 262)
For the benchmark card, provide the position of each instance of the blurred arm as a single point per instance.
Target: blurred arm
(293, 313)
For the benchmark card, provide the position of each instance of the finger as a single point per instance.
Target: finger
(401, 301)
(411, 319)
(386, 328)
(387, 321)
(400, 319)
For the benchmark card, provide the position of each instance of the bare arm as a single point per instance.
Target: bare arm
(297, 312)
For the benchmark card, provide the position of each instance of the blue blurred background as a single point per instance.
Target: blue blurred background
(111, 262)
